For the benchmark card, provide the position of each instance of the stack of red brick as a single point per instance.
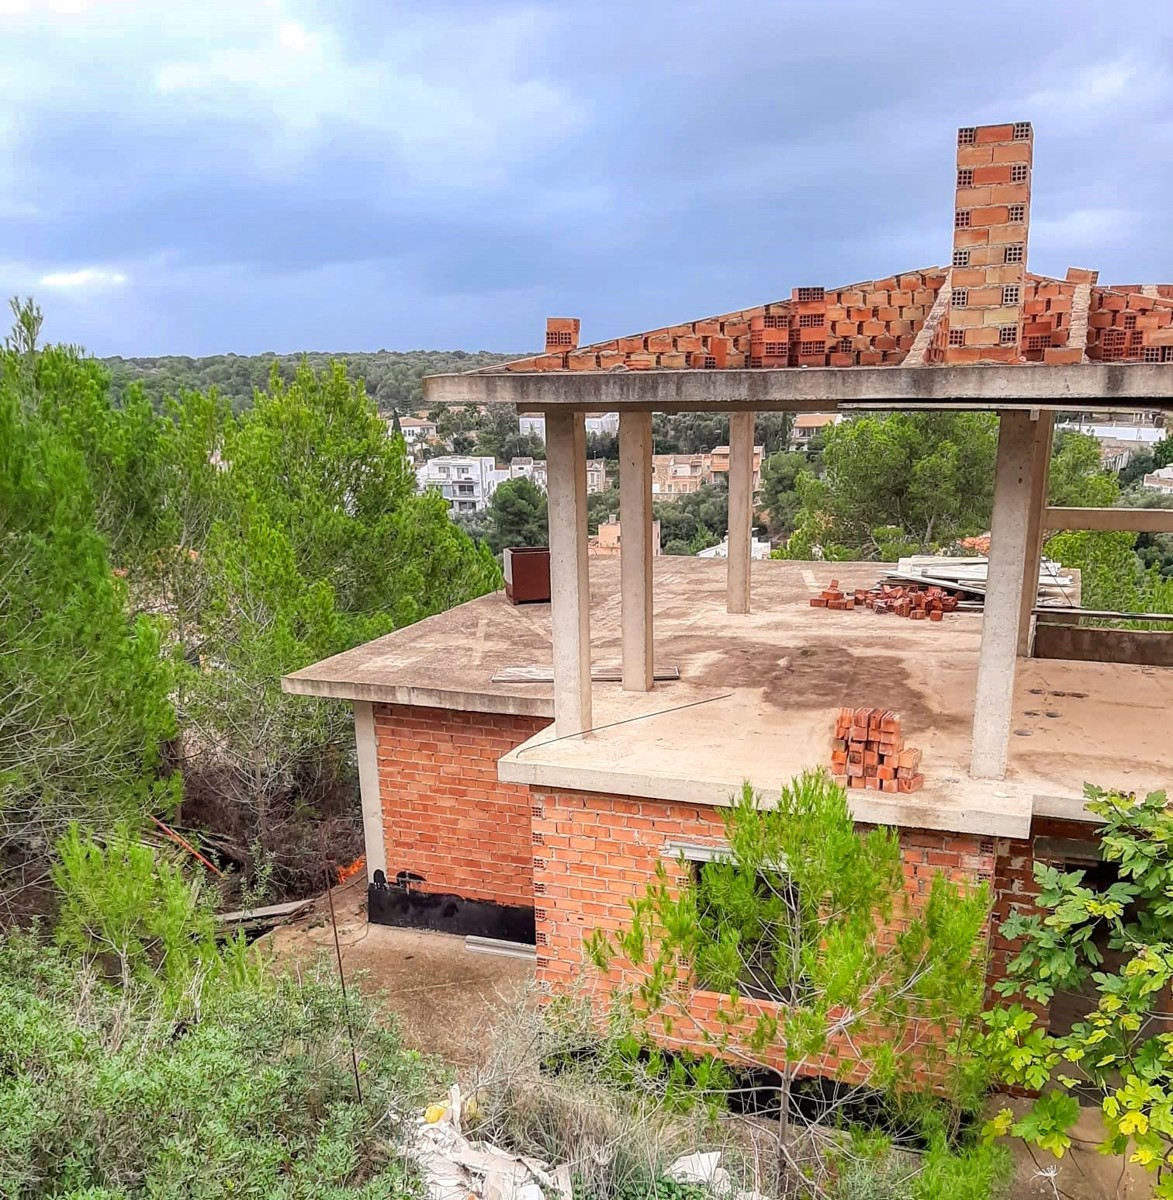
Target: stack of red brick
(1125, 324)
(832, 597)
(903, 600)
(868, 751)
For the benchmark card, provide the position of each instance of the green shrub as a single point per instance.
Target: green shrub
(106, 1092)
(124, 906)
(973, 1173)
(1113, 945)
(873, 1170)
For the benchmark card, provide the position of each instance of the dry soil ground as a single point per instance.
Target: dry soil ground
(443, 994)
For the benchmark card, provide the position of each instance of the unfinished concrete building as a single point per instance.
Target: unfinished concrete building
(532, 811)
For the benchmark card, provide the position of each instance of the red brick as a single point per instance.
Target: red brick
(443, 804)
(993, 133)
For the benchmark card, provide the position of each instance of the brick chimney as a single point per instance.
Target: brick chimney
(991, 220)
(561, 334)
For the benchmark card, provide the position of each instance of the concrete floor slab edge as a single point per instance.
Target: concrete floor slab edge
(874, 808)
(458, 701)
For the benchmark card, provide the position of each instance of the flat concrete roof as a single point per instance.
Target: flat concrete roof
(1081, 387)
(445, 661)
(761, 692)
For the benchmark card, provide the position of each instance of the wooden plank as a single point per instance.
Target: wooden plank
(543, 674)
(1110, 520)
(265, 912)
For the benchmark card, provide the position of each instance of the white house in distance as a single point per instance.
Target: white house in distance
(1119, 444)
(534, 469)
(809, 425)
(1160, 480)
(466, 482)
(599, 423)
(596, 471)
(758, 548)
(417, 430)
(524, 467)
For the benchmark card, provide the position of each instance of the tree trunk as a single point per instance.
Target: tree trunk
(261, 800)
(786, 1183)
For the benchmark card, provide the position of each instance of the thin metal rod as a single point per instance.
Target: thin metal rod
(341, 975)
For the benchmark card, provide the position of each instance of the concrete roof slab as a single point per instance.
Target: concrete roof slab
(758, 693)
(1078, 387)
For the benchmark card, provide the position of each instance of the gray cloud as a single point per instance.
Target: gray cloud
(446, 174)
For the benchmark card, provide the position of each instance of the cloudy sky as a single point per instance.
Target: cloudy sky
(204, 176)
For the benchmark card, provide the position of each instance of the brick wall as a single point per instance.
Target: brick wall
(1015, 889)
(446, 816)
(869, 323)
(996, 310)
(593, 853)
(1131, 324)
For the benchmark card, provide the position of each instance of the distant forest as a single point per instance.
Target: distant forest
(392, 377)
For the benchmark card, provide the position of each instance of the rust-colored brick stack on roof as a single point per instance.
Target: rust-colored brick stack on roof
(1049, 310)
(994, 312)
(904, 600)
(990, 225)
(1131, 324)
(868, 751)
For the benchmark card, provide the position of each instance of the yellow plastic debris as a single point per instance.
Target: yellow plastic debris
(435, 1113)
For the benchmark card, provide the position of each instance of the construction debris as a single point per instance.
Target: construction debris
(969, 575)
(265, 916)
(927, 584)
(868, 751)
(454, 1168)
(903, 600)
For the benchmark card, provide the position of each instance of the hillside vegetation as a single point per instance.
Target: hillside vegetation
(392, 377)
(162, 567)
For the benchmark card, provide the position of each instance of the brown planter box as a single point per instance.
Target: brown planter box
(527, 574)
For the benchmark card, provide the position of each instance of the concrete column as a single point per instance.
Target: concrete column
(374, 845)
(997, 659)
(570, 600)
(740, 510)
(1035, 529)
(635, 548)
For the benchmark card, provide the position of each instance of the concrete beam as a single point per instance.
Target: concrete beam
(570, 592)
(1110, 520)
(740, 511)
(374, 844)
(1089, 387)
(997, 659)
(1040, 478)
(635, 548)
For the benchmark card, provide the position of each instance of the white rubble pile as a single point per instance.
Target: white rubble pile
(454, 1168)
